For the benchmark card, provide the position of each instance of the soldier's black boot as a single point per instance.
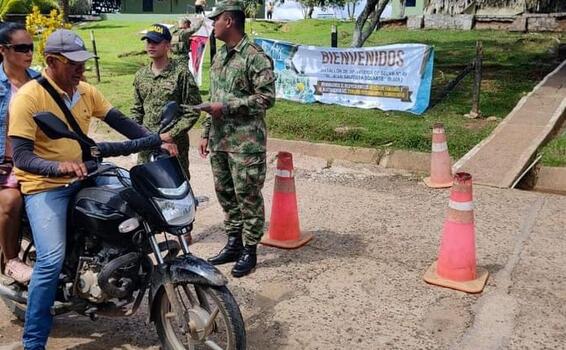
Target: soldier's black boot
(246, 263)
(231, 251)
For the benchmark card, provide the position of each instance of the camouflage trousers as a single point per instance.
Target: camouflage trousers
(238, 181)
(182, 142)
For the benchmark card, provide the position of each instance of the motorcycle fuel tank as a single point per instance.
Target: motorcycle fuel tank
(99, 211)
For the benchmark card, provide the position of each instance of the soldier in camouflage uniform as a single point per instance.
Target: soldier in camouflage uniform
(180, 38)
(161, 81)
(242, 88)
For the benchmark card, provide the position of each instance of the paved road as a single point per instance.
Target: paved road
(359, 285)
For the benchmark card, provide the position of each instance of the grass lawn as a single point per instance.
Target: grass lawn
(554, 153)
(513, 64)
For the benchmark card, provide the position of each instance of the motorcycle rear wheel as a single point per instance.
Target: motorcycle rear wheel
(204, 305)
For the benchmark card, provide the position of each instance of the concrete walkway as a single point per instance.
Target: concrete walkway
(501, 158)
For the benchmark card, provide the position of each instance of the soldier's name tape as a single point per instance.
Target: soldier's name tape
(439, 147)
(283, 173)
(438, 131)
(461, 206)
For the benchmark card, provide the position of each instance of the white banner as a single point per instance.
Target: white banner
(393, 77)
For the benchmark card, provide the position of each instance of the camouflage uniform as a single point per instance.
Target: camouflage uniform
(180, 41)
(243, 80)
(151, 92)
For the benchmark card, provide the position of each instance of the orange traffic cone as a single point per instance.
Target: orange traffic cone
(284, 229)
(456, 265)
(440, 164)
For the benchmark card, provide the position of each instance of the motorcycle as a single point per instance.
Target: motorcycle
(112, 232)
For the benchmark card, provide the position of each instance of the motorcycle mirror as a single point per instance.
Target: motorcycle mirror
(53, 127)
(168, 113)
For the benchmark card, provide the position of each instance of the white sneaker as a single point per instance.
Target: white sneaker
(19, 271)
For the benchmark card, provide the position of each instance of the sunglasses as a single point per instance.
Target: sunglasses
(22, 48)
(65, 60)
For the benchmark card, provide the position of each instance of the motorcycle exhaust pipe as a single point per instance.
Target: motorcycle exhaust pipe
(14, 295)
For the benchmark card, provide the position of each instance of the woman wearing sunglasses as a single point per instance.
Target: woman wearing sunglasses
(16, 48)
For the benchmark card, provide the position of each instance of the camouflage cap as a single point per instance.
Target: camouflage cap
(226, 5)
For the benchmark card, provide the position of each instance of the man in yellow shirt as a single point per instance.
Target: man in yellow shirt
(45, 166)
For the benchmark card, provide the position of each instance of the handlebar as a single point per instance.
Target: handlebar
(99, 169)
(124, 148)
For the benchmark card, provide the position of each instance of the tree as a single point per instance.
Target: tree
(368, 21)
(251, 7)
(309, 5)
(351, 8)
(64, 7)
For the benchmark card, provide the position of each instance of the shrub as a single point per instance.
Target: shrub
(42, 26)
(15, 6)
(45, 6)
(25, 6)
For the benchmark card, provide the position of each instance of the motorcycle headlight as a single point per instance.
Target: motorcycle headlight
(177, 212)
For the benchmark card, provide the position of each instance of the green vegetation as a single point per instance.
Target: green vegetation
(25, 6)
(513, 64)
(554, 154)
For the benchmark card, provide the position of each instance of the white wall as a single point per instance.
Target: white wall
(292, 11)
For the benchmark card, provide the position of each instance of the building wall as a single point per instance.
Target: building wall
(413, 8)
(162, 6)
(171, 6)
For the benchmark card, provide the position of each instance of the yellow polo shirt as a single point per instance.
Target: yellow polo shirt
(32, 98)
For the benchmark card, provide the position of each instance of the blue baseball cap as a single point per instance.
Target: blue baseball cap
(157, 33)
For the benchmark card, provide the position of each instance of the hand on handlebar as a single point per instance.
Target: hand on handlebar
(166, 137)
(168, 144)
(76, 169)
(171, 148)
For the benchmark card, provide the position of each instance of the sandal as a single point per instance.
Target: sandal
(17, 270)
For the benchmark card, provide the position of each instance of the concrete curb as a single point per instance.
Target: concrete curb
(392, 159)
(549, 179)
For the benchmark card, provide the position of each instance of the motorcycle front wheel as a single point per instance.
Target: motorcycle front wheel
(214, 319)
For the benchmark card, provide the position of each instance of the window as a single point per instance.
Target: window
(410, 3)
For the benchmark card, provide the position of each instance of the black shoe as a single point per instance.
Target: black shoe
(231, 251)
(246, 263)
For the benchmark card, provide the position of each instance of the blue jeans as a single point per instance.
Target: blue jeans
(47, 213)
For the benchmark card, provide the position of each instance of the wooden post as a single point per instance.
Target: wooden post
(451, 85)
(476, 112)
(334, 36)
(95, 56)
(212, 46)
